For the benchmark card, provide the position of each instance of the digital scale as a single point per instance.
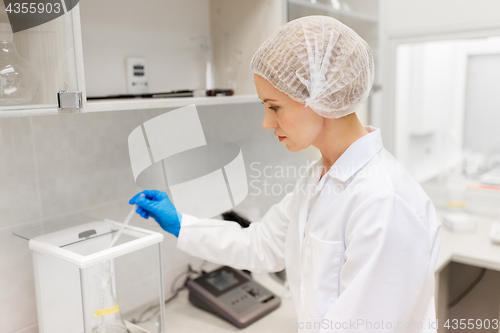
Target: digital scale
(68, 265)
(232, 295)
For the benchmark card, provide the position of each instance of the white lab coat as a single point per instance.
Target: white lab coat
(366, 254)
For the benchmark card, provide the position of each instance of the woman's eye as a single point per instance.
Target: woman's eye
(273, 108)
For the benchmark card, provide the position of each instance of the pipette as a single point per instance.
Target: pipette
(125, 222)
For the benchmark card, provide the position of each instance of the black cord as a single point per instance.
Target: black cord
(468, 289)
(174, 282)
(200, 270)
(155, 306)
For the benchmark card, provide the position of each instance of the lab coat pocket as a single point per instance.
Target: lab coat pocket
(321, 263)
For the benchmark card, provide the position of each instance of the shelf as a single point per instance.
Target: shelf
(130, 104)
(162, 103)
(28, 110)
(329, 9)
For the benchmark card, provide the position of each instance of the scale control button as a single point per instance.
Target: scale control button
(254, 292)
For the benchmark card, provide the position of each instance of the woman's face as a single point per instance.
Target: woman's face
(294, 124)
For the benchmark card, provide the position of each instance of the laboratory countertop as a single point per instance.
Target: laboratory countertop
(182, 317)
(473, 248)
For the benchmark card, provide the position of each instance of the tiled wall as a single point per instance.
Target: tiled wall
(59, 166)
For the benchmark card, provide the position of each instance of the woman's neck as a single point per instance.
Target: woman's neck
(337, 135)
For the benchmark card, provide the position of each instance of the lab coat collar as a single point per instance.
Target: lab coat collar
(357, 155)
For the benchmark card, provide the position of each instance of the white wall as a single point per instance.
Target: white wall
(238, 30)
(169, 37)
(431, 16)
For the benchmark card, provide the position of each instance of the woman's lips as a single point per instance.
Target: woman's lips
(281, 138)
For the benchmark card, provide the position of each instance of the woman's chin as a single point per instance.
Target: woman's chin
(293, 148)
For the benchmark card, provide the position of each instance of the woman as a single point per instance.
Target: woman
(358, 236)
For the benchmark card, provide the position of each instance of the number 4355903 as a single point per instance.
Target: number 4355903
(471, 324)
(33, 7)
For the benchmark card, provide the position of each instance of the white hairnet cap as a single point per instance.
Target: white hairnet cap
(318, 61)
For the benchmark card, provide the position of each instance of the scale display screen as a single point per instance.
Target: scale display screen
(223, 280)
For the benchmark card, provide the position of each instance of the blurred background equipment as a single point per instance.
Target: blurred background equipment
(18, 79)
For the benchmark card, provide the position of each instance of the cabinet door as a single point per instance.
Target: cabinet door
(45, 54)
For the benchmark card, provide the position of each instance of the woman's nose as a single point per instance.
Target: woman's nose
(269, 121)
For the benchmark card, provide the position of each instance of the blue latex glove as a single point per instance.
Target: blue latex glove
(157, 205)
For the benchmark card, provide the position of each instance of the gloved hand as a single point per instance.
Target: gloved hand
(157, 205)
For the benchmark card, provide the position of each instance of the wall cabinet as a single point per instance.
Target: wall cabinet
(86, 49)
(53, 50)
